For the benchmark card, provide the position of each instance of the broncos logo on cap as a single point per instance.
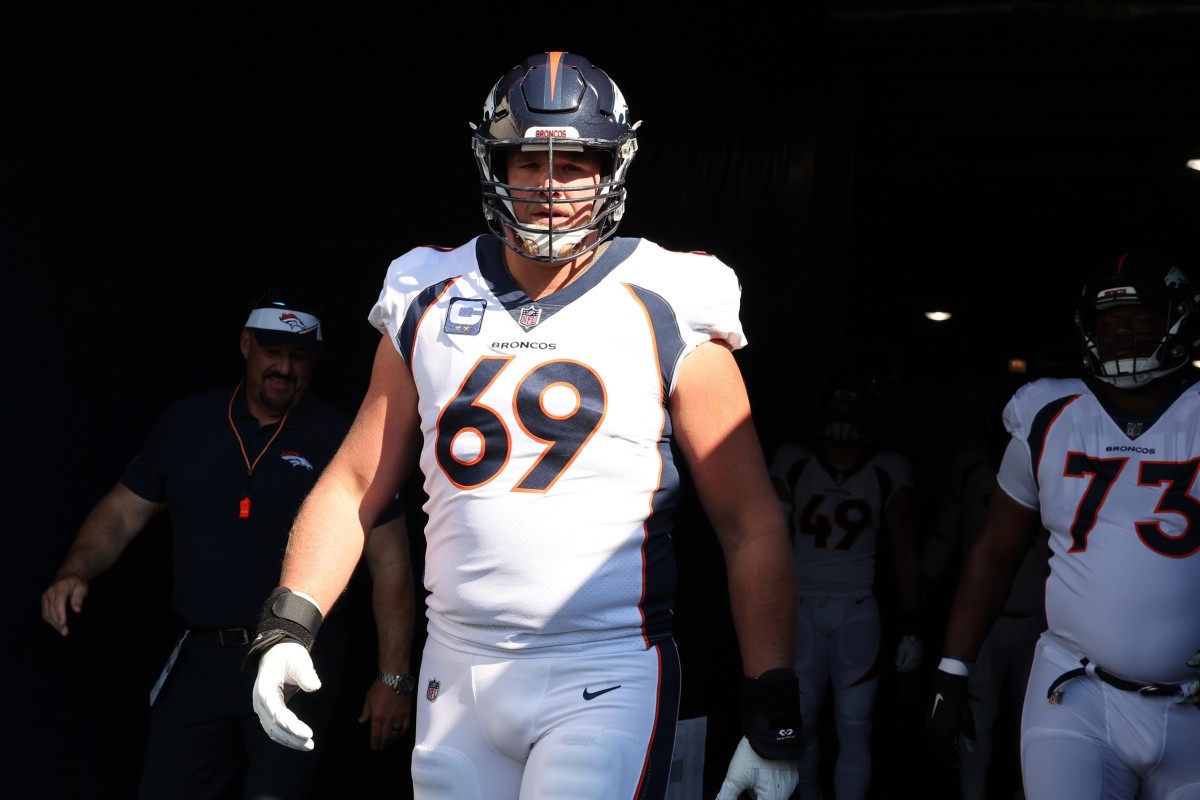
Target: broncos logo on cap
(294, 322)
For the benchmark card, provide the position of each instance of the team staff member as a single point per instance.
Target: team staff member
(231, 467)
(541, 375)
(1108, 462)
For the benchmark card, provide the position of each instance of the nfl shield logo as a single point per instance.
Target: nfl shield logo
(529, 316)
(431, 691)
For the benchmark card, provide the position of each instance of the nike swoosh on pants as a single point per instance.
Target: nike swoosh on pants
(592, 695)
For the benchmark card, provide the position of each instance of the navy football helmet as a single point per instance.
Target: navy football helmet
(548, 102)
(847, 400)
(1146, 280)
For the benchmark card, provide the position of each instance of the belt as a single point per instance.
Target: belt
(1054, 693)
(230, 637)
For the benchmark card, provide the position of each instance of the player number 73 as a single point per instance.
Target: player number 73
(1175, 477)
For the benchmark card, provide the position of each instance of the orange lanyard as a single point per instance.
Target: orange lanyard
(244, 505)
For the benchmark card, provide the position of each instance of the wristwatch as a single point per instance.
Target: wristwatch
(400, 684)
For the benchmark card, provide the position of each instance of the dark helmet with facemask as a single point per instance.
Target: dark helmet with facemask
(551, 102)
(1139, 279)
(847, 400)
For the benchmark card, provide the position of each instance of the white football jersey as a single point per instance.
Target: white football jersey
(836, 516)
(1121, 501)
(546, 456)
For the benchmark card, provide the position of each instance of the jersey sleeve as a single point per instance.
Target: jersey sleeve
(387, 315)
(1015, 476)
(712, 295)
(146, 474)
(409, 275)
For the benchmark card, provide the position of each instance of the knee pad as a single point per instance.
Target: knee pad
(577, 765)
(856, 706)
(444, 774)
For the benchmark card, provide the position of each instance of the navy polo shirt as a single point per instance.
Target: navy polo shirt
(224, 567)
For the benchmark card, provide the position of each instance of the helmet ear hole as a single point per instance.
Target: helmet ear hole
(499, 165)
(607, 164)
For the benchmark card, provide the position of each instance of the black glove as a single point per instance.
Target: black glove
(286, 617)
(771, 717)
(949, 719)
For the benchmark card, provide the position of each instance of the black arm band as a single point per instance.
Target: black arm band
(771, 714)
(286, 617)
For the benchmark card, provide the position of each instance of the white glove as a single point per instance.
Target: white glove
(908, 653)
(1191, 691)
(281, 670)
(750, 772)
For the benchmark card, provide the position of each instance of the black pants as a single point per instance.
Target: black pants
(205, 738)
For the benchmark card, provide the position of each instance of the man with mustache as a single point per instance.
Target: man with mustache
(231, 466)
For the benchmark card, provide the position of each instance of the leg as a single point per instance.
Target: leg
(1177, 775)
(522, 727)
(618, 743)
(1020, 659)
(812, 668)
(451, 759)
(984, 685)
(194, 747)
(1065, 749)
(854, 651)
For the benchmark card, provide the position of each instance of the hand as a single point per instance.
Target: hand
(908, 653)
(750, 772)
(390, 715)
(63, 593)
(1191, 692)
(281, 670)
(949, 720)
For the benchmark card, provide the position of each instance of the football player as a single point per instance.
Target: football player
(541, 376)
(1108, 463)
(842, 491)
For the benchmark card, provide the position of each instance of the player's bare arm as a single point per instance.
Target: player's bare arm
(372, 464)
(716, 435)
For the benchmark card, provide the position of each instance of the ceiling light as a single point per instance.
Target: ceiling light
(937, 316)
(1193, 163)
